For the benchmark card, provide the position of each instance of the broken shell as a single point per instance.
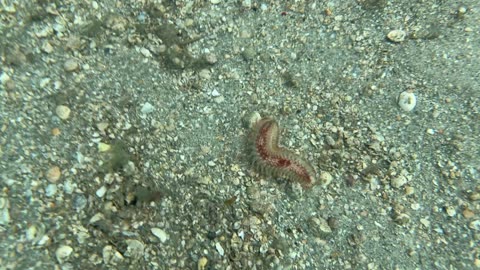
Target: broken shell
(407, 101)
(396, 35)
(320, 227)
(63, 252)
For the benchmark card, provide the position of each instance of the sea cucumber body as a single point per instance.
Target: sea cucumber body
(272, 160)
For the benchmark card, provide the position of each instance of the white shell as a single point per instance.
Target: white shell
(407, 101)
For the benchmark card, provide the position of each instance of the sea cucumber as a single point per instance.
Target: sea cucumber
(272, 160)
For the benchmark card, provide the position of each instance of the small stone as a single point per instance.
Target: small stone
(205, 74)
(211, 58)
(474, 225)
(215, 93)
(79, 202)
(407, 101)
(219, 99)
(103, 147)
(397, 35)
(320, 226)
(147, 108)
(474, 196)
(135, 248)
(56, 132)
(161, 234)
(415, 206)
(50, 190)
(63, 112)
(219, 248)
(451, 212)
(402, 219)
(467, 213)
(53, 174)
(70, 65)
(425, 222)
(325, 178)
(4, 211)
(250, 119)
(47, 47)
(62, 253)
(111, 255)
(399, 181)
(409, 190)
(145, 52)
(202, 263)
(215, 1)
(101, 191)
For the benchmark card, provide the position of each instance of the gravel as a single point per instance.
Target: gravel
(122, 144)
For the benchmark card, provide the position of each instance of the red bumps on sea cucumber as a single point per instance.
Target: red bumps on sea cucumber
(272, 160)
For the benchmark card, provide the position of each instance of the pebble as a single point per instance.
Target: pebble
(101, 191)
(320, 226)
(397, 35)
(110, 255)
(103, 147)
(211, 58)
(135, 248)
(63, 112)
(161, 234)
(79, 202)
(53, 174)
(474, 225)
(325, 179)
(451, 211)
(250, 119)
(63, 252)
(4, 213)
(47, 47)
(70, 65)
(147, 108)
(407, 101)
(402, 219)
(219, 248)
(202, 263)
(399, 181)
(56, 131)
(50, 190)
(467, 213)
(205, 74)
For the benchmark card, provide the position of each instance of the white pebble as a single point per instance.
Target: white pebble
(407, 101)
(399, 181)
(70, 65)
(219, 248)
(161, 234)
(63, 112)
(101, 191)
(397, 35)
(147, 108)
(325, 179)
(451, 211)
(50, 190)
(63, 252)
(215, 93)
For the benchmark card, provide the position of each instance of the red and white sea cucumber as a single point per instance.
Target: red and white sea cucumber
(271, 159)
